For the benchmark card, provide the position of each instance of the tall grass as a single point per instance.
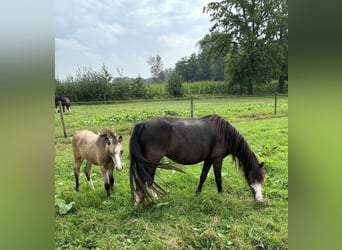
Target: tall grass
(207, 88)
(178, 220)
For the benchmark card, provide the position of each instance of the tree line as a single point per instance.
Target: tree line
(89, 86)
(247, 48)
(247, 45)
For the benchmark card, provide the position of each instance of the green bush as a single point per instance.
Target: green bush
(174, 85)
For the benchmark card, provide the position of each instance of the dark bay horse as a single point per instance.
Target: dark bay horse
(65, 103)
(188, 141)
(103, 149)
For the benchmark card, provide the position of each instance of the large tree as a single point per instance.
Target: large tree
(253, 33)
(156, 67)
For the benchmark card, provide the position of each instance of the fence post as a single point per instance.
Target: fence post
(192, 107)
(62, 117)
(275, 103)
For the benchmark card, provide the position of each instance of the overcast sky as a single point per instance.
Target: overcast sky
(122, 34)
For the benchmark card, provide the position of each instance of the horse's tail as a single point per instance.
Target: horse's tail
(138, 173)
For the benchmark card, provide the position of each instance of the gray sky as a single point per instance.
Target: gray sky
(122, 34)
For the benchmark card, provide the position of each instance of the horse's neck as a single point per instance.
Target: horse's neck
(242, 151)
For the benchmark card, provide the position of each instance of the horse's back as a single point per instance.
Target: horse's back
(86, 134)
(83, 143)
(185, 141)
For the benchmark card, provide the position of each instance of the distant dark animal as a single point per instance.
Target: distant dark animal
(65, 103)
(188, 141)
(103, 149)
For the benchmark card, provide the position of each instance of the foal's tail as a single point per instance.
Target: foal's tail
(139, 175)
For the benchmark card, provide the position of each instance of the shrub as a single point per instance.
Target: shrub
(174, 85)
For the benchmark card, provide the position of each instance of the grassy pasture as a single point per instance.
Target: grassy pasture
(179, 220)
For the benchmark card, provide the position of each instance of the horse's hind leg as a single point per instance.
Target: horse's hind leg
(150, 183)
(205, 170)
(88, 174)
(217, 171)
(77, 166)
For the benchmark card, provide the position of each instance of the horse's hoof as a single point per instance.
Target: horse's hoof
(259, 199)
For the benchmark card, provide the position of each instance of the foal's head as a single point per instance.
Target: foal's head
(113, 147)
(255, 177)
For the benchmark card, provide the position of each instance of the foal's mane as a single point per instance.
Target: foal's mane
(103, 134)
(238, 147)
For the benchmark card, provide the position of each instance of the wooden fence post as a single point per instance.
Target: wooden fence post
(192, 107)
(275, 103)
(62, 118)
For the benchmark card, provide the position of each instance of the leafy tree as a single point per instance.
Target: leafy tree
(105, 74)
(213, 63)
(174, 85)
(156, 67)
(282, 39)
(247, 31)
(182, 69)
(202, 67)
(168, 72)
(137, 89)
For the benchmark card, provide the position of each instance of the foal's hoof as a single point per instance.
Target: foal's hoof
(259, 199)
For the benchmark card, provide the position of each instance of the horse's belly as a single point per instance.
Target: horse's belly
(187, 157)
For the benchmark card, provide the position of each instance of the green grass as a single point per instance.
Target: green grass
(178, 220)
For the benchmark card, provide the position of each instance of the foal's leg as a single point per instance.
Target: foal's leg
(77, 166)
(111, 177)
(88, 174)
(217, 171)
(105, 176)
(205, 170)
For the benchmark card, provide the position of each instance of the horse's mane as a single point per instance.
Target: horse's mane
(103, 134)
(107, 132)
(238, 148)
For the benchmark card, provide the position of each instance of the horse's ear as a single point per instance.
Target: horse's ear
(120, 138)
(261, 164)
(107, 140)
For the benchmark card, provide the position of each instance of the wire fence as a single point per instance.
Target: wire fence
(104, 102)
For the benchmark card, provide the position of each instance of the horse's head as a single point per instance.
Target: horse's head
(255, 178)
(113, 147)
(67, 103)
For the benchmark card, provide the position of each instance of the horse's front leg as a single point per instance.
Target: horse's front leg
(205, 170)
(111, 177)
(217, 171)
(105, 176)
